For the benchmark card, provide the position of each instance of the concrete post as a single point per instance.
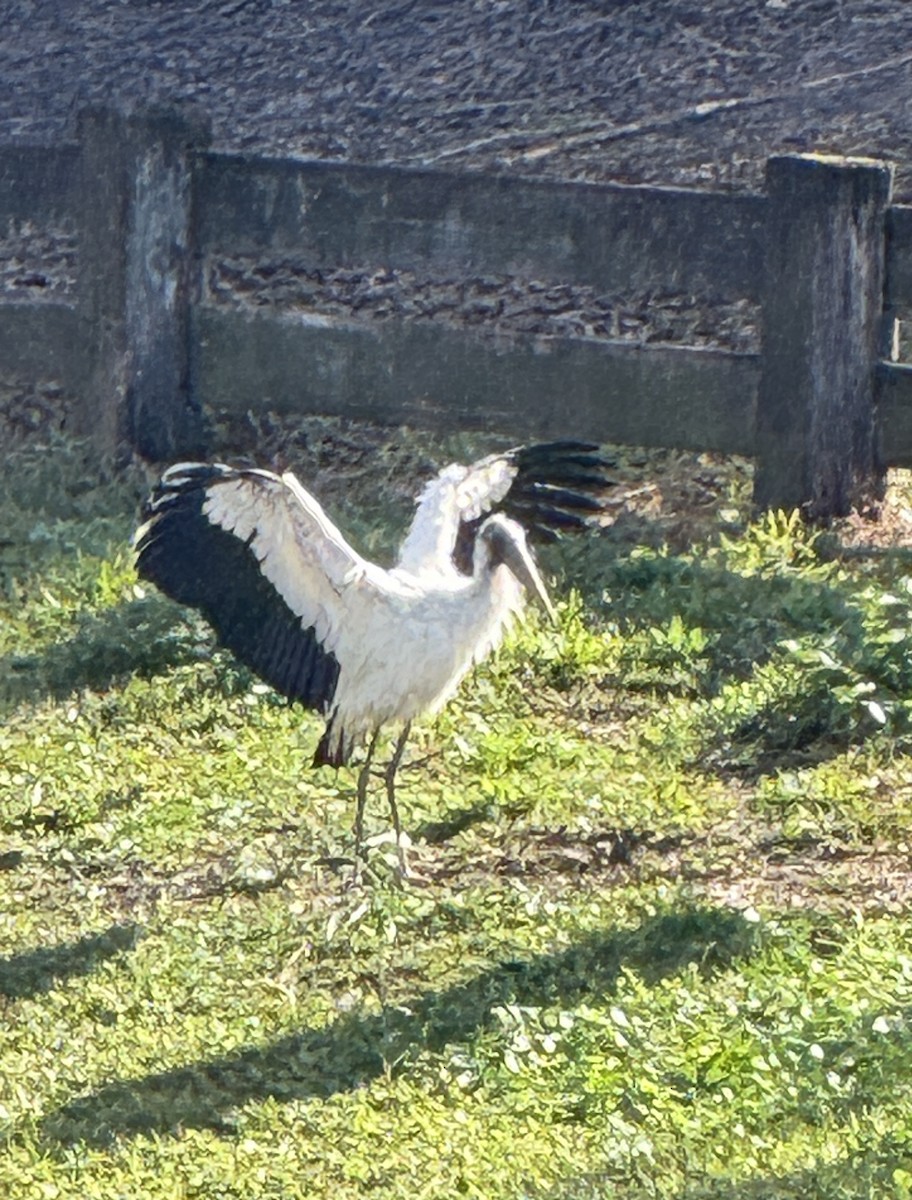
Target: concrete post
(138, 275)
(822, 334)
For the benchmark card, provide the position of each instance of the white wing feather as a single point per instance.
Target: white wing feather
(403, 643)
(321, 578)
(457, 494)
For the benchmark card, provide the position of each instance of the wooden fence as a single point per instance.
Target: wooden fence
(823, 407)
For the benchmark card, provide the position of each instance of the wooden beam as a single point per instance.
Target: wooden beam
(43, 341)
(38, 184)
(436, 378)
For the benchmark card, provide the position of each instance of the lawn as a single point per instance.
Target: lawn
(659, 945)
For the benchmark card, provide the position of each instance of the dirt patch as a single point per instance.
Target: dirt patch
(37, 264)
(886, 526)
(678, 92)
(734, 869)
(492, 306)
(866, 880)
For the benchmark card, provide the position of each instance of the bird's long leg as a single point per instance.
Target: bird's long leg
(390, 777)
(363, 780)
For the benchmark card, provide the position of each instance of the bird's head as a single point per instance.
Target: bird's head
(502, 542)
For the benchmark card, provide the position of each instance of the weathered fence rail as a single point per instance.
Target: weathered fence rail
(823, 406)
(615, 238)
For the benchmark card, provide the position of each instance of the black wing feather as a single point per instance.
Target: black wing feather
(201, 565)
(557, 486)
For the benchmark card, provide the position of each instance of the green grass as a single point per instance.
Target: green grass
(661, 943)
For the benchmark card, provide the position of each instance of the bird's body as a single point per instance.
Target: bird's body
(365, 646)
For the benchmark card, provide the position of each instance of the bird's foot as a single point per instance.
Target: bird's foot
(403, 845)
(407, 870)
(355, 881)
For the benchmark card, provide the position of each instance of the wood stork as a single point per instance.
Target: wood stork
(256, 554)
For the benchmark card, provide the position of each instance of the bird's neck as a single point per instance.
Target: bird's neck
(428, 545)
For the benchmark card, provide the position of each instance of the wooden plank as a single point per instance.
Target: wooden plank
(816, 435)
(894, 407)
(898, 290)
(436, 378)
(38, 184)
(43, 341)
(621, 239)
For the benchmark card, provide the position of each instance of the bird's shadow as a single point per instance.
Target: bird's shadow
(359, 1047)
(744, 614)
(454, 822)
(36, 971)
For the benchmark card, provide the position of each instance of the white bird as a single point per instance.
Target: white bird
(256, 554)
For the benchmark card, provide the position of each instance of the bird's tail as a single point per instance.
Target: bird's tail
(334, 748)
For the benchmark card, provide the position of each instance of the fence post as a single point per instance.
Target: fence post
(137, 278)
(817, 445)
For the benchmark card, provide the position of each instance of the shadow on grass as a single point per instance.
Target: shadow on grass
(359, 1047)
(142, 637)
(777, 739)
(435, 833)
(36, 971)
(743, 615)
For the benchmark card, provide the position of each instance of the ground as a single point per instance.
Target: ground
(657, 946)
(666, 92)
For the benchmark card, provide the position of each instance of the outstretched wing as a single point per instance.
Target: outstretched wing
(549, 487)
(259, 558)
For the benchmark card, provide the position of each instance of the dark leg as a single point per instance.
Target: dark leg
(363, 780)
(390, 777)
